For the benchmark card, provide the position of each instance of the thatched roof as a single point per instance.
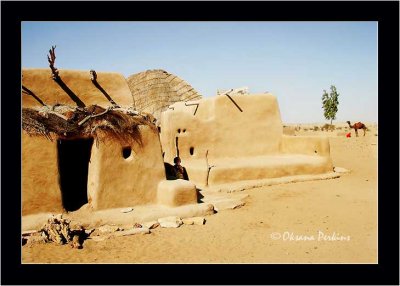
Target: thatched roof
(154, 90)
(62, 121)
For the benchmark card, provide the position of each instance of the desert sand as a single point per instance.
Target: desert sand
(324, 221)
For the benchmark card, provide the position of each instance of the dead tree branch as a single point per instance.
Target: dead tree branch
(51, 57)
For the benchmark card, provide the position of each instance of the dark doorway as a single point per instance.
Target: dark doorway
(73, 165)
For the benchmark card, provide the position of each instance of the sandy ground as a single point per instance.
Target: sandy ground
(266, 228)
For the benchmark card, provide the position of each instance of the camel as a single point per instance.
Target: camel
(357, 126)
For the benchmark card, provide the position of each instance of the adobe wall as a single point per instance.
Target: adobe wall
(40, 188)
(220, 127)
(114, 181)
(244, 138)
(311, 145)
(39, 81)
(270, 166)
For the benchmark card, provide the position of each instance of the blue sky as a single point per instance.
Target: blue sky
(295, 61)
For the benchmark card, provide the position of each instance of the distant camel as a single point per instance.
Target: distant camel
(357, 126)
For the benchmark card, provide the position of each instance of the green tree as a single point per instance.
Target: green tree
(330, 103)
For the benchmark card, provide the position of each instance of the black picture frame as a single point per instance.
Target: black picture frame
(385, 272)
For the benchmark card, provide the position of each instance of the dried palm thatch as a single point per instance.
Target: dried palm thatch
(154, 90)
(62, 121)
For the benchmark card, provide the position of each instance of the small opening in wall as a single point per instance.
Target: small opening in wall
(191, 150)
(184, 130)
(315, 151)
(126, 152)
(159, 129)
(179, 130)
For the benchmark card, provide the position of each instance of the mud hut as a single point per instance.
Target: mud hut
(83, 143)
(238, 138)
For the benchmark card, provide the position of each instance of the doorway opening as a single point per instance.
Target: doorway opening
(73, 167)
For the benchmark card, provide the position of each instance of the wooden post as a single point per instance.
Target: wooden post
(208, 168)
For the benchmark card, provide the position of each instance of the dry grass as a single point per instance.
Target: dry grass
(113, 123)
(328, 127)
(154, 90)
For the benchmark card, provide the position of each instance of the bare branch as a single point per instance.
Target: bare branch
(52, 59)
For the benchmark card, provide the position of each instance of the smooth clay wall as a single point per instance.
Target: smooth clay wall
(115, 181)
(40, 187)
(221, 128)
(244, 139)
(39, 82)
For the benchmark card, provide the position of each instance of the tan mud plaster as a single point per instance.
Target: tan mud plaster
(243, 139)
